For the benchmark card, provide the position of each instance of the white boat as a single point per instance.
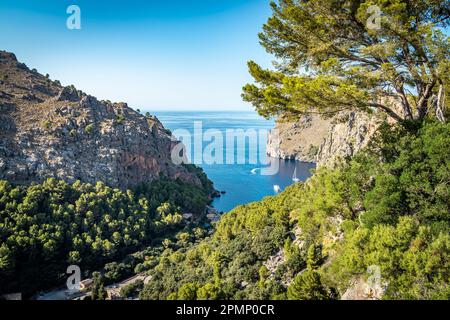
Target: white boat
(276, 188)
(254, 171)
(294, 177)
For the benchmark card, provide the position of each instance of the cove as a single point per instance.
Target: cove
(243, 183)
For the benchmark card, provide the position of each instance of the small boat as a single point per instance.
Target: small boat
(276, 188)
(294, 177)
(254, 171)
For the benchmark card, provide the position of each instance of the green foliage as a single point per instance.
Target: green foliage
(400, 218)
(415, 178)
(342, 227)
(187, 291)
(229, 264)
(308, 286)
(320, 68)
(189, 197)
(131, 290)
(414, 259)
(120, 119)
(98, 291)
(208, 292)
(207, 184)
(314, 256)
(89, 128)
(46, 227)
(47, 124)
(244, 239)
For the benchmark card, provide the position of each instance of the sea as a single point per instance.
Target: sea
(241, 170)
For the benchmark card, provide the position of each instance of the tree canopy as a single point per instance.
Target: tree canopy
(46, 227)
(338, 55)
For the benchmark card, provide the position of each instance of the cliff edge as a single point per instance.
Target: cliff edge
(322, 141)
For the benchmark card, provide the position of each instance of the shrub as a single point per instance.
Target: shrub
(120, 119)
(89, 128)
(47, 124)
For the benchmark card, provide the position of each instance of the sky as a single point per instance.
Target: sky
(153, 54)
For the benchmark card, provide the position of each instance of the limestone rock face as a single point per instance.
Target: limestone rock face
(345, 138)
(47, 130)
(323, 141)
(362, 289)
(298, 140)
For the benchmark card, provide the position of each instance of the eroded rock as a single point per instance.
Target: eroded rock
(73, 136)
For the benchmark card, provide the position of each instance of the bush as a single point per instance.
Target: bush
(131, 290)
(308, 286)
(120, 119)
(73, 133)
(89, 128)
(47, 124)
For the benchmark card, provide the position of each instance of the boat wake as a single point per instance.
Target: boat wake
(294, 177)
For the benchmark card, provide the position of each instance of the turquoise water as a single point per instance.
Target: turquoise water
(236, 179)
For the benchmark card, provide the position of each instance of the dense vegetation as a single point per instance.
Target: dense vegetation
(46, 227)
(389, 207)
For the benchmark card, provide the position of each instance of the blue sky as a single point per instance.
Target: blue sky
(154, 54)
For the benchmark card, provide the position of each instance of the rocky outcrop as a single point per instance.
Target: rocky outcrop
(48, 130)
(362, 289)
(346, 137)
(69, 94)
(298, 140)
(323, 141)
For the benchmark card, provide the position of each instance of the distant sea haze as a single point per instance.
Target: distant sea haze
(243, 181)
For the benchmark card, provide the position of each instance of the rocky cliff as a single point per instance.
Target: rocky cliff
(298, 140)
(346, 136)
(323, 141)
(47, 130)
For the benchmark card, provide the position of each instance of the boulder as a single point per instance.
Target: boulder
(69, 93)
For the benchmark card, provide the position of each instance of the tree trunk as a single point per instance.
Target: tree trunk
(440, 104)
(422, 105)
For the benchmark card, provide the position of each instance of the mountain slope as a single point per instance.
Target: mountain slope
(52, 131)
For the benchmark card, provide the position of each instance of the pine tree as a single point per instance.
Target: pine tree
(98, 287)
(314, 256)
(308, 286)
(387, 56)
